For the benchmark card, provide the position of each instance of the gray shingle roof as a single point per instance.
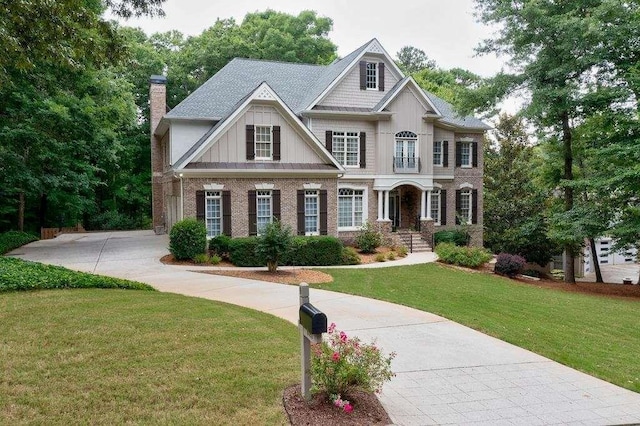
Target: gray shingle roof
(298, 85)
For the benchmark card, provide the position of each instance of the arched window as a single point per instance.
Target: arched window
(405, 159)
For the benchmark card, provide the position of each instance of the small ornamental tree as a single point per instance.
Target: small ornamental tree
(187, 239)
(274, 243)
(368, 239)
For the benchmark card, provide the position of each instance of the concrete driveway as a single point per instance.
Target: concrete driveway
(446, 373)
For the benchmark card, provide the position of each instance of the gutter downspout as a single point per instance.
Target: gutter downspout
(181, 198)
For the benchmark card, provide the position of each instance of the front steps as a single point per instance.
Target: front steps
(412, 240)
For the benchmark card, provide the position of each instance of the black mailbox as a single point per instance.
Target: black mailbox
(314, 321)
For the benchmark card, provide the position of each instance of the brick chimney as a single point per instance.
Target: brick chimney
(157, 109)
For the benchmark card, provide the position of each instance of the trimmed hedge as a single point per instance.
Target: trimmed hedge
(242, 252)
(18, 274)
(455, 236)
(220, 245)
(187, 239)
(469, 257)
(315, 251)
(13, 239)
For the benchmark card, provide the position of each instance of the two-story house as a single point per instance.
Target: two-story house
(323, 148)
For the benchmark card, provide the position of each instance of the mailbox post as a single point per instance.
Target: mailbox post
(312, 323)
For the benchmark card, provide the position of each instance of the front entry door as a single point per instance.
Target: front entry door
(394, 209)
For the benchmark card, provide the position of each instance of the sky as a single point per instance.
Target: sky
(446, 31)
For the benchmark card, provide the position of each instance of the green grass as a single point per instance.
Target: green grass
(17, 274)
(94, 356)
(597, 335)
(11, 240)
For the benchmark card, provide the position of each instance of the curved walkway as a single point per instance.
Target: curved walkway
(445, 373)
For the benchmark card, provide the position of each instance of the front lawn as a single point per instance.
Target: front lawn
(95, 356)
(597, 335)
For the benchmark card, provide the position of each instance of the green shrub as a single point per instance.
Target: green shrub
(368, 238)
(13, 239)
(470, 257)
(220, 245)
(380, 257)
(274, 243)
(509, 264)
(402, 251)
(350, 256)
(17, 274)
(315, 251)
(455, 236)
(242, 252)
(114, 220)
(215, 259)
(187, 239)
(201, 258)
(391, 256)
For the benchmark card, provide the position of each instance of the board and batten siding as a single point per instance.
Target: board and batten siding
(184, 134)
(320, 126)
(231, 146)
(347, 92)
(407, 111)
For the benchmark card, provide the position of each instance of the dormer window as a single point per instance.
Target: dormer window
(372, 76)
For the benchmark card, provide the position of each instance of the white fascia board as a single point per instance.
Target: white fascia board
(375, 44)
(418, 89)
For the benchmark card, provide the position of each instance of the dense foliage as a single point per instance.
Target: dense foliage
(470, 257)
(274, 243)
(242, 252)
(369, 238)
(187, 239)
(315, 251)
(509, 264)
(458, 237)
(16, 274)
(13, 239)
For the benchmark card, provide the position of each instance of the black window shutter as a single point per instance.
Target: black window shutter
(443, 207)
(458, 154)
(328, 140)
(474, 206)
(226, 213)
(275, 199)
(458, 197)
(363, 75)
(381, 76)
(300, 212)
(251, 149)
(363, 150)
(323, 212)
(445, 153)
(434, 150)
(200, 205)
(276, 142)
(474, 154)
(253, 217)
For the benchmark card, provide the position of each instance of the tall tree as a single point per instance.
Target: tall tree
(411, 60)
(562, 53)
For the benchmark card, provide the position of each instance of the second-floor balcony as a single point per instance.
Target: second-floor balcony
(406, 164)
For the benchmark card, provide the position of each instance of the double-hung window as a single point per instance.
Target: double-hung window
(264, 209)
(465, 206)
(311, 212)
(350, 208)
(372, 76)
(437, 153)
(263, 143)
(435, 207)
(346, 148)
(466, 154)
(213, 213)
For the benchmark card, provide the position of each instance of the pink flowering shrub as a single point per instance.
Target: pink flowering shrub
(341, 364)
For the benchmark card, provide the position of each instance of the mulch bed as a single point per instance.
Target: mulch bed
(289, 276)
(601, 289)
(367, 409)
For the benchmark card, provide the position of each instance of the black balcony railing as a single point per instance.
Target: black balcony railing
(406, 164)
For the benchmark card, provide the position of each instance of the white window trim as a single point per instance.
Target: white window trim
(255, 142)
(365, 206)
(344, 136)
(311, 186)
(213, 186)
(470, 165)
(376, 88)
(441, 154)
(317, 197)
(206, 210)
(436, 220)
(469, 192)
(417, 148)
(258, 197)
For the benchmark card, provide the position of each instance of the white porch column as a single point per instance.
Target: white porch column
(428, 204)
(386, 205)
(423, 197)
(380, 206)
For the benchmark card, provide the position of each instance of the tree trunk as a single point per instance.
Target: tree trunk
(569, 264)
(21, 211)
(594, 259)
(272, 266)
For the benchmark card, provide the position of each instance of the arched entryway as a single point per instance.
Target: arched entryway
(404, 207)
